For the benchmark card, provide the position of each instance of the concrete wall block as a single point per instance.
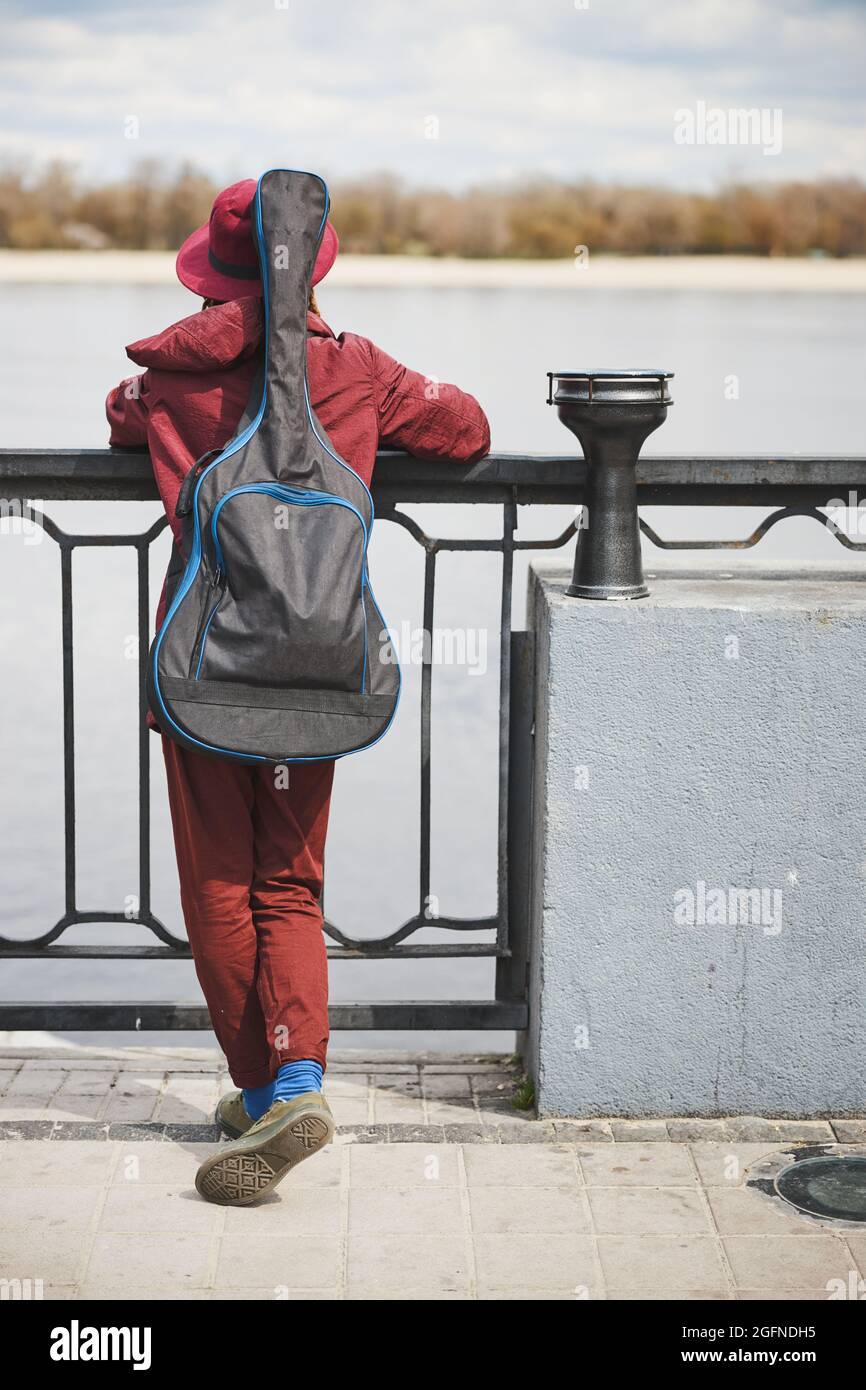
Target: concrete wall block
(699, 858)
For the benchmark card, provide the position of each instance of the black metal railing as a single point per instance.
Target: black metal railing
(791, 487)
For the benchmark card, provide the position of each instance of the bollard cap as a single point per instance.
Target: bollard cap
(611, 386)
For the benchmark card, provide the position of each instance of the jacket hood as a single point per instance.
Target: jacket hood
(218, 337)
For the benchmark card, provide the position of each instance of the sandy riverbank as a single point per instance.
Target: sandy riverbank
(723, 273)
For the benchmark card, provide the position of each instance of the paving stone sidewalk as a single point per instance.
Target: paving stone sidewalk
(435, 1188)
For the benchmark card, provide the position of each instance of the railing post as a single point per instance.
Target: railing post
(611, 412)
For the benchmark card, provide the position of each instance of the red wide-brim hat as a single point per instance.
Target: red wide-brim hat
(219, 261)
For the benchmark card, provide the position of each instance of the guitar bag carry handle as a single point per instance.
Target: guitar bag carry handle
(273, 649)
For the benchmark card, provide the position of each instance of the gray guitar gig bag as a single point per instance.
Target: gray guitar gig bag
(273, 649)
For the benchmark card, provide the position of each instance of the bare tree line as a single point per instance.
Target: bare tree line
(154, 208)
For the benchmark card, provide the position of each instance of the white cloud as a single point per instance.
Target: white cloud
(517, 87)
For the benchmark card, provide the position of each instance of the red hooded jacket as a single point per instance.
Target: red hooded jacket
(200, 373)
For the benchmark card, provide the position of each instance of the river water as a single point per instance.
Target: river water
(755, 374)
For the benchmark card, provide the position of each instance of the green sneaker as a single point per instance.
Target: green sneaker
(231, 1115)
(249, 1169)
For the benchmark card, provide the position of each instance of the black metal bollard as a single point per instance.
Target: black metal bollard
(612, 413)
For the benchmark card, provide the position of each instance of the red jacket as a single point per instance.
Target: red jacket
(200, 372)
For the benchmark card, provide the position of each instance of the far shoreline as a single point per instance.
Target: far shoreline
(753, 274)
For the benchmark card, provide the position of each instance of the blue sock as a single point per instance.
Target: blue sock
(258, 1099)
(296, 1078)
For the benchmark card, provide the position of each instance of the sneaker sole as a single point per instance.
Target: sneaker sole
(237, 1179)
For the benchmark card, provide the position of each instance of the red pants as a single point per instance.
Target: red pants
(250, 856)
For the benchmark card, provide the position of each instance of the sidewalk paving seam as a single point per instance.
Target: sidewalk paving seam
(388, 1132)
(855, 1264)
(344, 1199)
(96, 1220)
(215, 1250)
(468, 1229)
(717, 1235)
(601, 1282)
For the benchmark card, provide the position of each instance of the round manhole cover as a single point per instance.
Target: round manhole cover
(834, 1187)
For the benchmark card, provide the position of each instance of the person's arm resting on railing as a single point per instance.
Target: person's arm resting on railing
(126, 409)
(429, 419)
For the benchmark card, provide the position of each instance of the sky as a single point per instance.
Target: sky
(444, 93)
